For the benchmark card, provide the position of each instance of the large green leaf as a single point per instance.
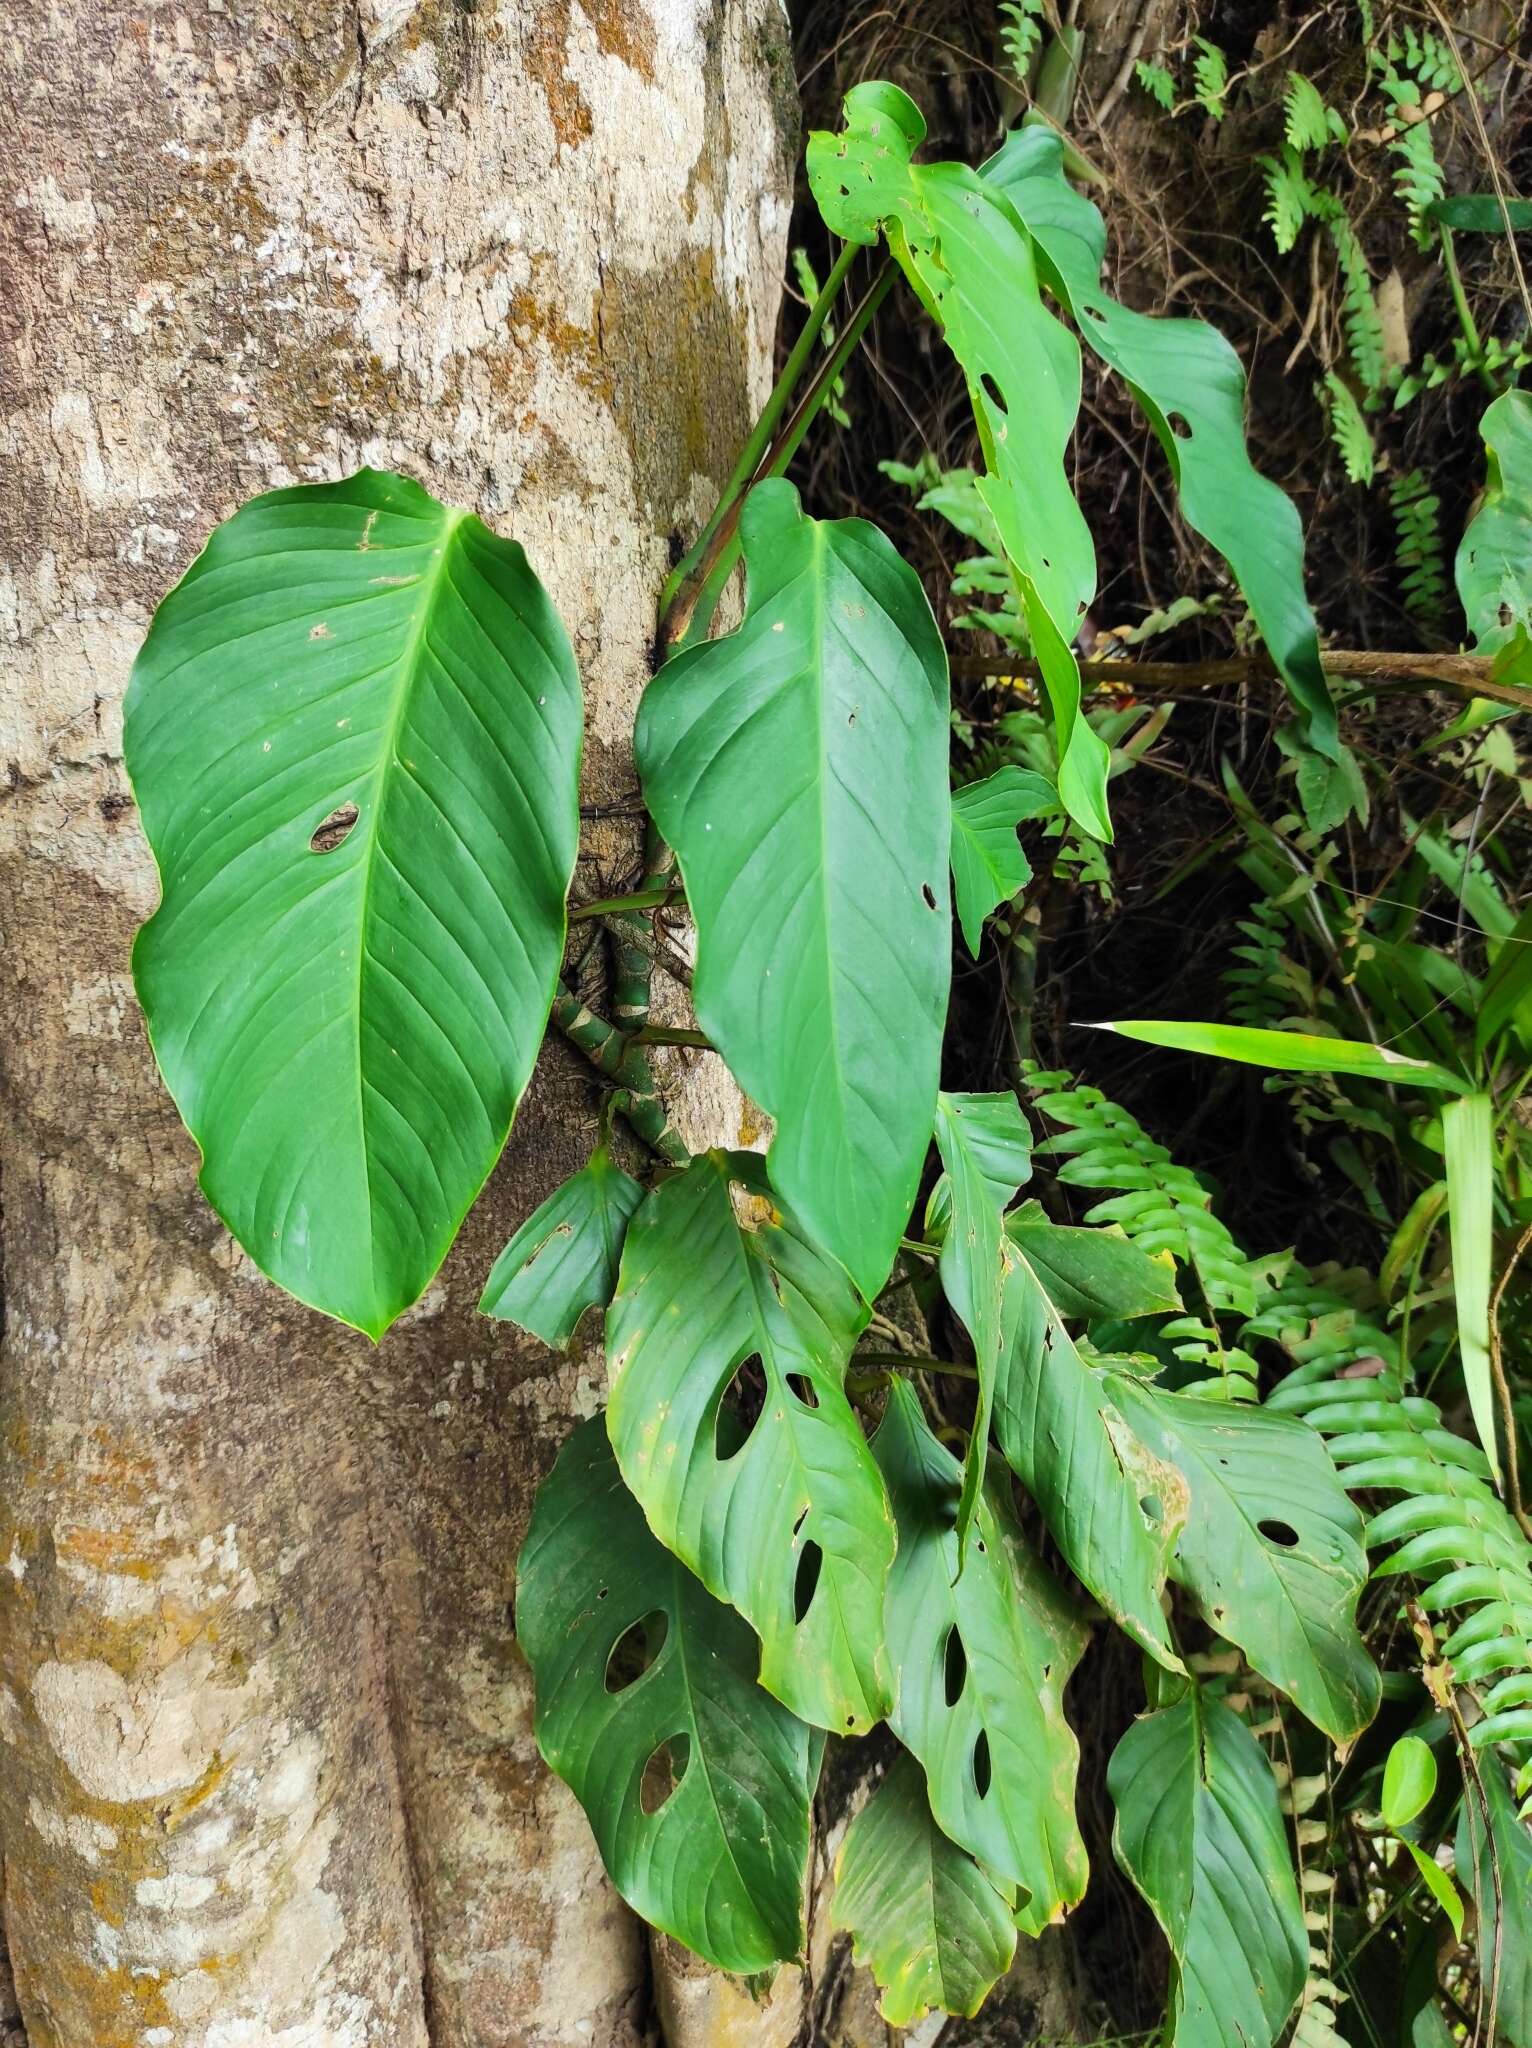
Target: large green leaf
(988, 865)
(1093, 1273)
(1199, 1832)
(923, 1917)
(1293, 1052)
(1113, 1507)
(720, 1863)
(792, 1525)
(798, 767)
(1483, 213)
(1191, 385)
(1506, 997)
(1272, 1546)
(1468, 1142)
(972, 263)
(1495, 1862)
(563, 1260)
(986, 1148)
(347, 1031)
(1494, 559)
(982, 1665)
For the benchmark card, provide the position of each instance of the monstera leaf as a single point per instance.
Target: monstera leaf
(1191, 385)
(798, 767)
(791, 1525)
(988, 865)
(1199, 1832)
(354, 734)
(1494, 577)
(972, 264)
(935, 1931)
(1272, 1546)
(1113, 1507)
(696, 1782)
(563, 1260)
(982, 1665)
(986, 1148)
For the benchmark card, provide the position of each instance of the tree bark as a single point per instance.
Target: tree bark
(268, 1778)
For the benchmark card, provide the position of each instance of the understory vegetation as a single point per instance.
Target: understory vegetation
(1117, 1441)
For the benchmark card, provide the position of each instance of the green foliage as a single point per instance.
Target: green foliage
(804, 903)
(1307, 123)
(1494, 1854)
(935, 1930)
(1418, 548)
(1348, 430)
(1359, 309)
(347, 1028)
(1210, 74)
(988, 865)
(1157, 82)
(563, 1260)
(1199, 1832)
(1290, 198)
(1494, 568)
(810, 286)
(696, 1782)
(1021, 35)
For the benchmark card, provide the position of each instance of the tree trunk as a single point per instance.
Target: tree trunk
(270, 1776)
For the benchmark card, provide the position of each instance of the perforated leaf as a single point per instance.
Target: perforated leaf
(798, 767)
(563, 1260)
(1113, 1507)
(695, 1781)
(988, 865)
(1272, 1546)
(934, 1930)
(1199, 1832)
(971, 262)
(986, 1148)
(347, 1027)
(791, 1525)
(982, 1665)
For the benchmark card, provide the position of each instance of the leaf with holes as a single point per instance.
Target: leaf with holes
(971, 263)
(347, 1018)
(563, 1260)
(798, 767)
(982, 1666)
(1272, 1547)
(935, 1931)
(988, 865)
(1113, 1507)
(986, 1147)
(1494, 563)
(791, 1524)
(696, 1782)
(1191, 386)
(1199, 1832)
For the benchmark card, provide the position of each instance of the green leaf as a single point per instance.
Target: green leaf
(1409, 1781)
(798, 767)
(1112, 1507)
(720, 1863)
(1199, 1832)
(563, 1260)
(1439, 1885)
(923, 1917)
(988, 865)
(972, 264)
(1093, 1273)
(792, 1526)
(1495, 1862)
(347, 1028)
(1468, 1139)
(1483, 213)
(1494, 560)
(982, 1666)
(1191, 385)
(986, 1148)
(1272, 1547)
(1294, 1052)
(1506, 998)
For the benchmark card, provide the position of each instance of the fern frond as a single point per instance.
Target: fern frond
(1265, 987)
(1349, 430)
(1359, 309)
(1021, 31)
(1452, 1532)
(1418, 548)
(1289, 198)
(1161, 1206)
(1427, 58)
(1157, 82)
(1307, 122)
(1418, 179)
(1210, 78)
